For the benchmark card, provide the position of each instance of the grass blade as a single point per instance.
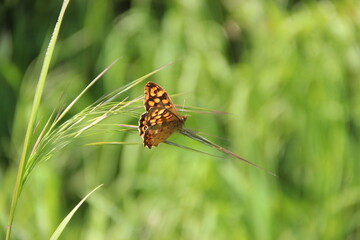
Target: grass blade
(67, 219)
(34, 110)
(203, 140)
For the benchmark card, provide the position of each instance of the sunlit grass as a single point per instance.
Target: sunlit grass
(288, 74)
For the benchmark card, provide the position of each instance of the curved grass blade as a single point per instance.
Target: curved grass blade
(67, 219)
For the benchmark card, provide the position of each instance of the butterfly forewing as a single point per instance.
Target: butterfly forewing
(156, 96)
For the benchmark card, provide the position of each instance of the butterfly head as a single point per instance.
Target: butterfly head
(183, 118)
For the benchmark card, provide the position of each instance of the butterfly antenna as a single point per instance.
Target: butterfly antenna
(183, 107)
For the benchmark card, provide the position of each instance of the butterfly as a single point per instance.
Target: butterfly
(161, 118)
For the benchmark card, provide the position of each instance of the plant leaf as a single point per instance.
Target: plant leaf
(67, 219)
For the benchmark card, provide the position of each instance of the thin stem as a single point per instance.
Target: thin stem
(192, 135)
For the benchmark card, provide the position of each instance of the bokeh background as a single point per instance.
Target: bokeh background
(287, 71)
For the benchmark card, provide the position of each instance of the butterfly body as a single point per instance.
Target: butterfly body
(161, 118)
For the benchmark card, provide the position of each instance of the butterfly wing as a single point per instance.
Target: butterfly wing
(156, 96)
(161, 118)
(157, 124)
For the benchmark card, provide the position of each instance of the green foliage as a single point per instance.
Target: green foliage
(288, 72)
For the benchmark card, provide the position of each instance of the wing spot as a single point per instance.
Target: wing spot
(165, 101)
(154, 114)
(160, 93)
(153, 91)
(151, 103)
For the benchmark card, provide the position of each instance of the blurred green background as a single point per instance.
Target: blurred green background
(288, 71)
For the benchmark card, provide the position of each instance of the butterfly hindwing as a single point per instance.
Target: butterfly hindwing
(160, 124)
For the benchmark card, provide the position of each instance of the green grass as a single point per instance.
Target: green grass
(288, 73)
